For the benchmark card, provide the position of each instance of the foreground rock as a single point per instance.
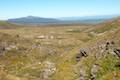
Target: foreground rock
(82, 53)
(49, 69)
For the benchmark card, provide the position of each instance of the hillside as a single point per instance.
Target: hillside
(8, 25)
(77, 52)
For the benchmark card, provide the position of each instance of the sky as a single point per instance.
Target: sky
(57, 8)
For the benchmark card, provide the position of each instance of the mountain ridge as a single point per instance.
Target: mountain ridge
(32, 20)
(67, 20)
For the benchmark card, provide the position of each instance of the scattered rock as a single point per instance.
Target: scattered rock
(51, 37)
(41, 37)
(82, 53)
(95, 68)
(105, 48)
(10, 47)
(49, 69)
(2, 49)
(45, 37)
(109, 45)
(83, 74)
(117, 51)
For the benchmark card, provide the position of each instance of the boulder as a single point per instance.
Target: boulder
(81, 54)
(117, 52)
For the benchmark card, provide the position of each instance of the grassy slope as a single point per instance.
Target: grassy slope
(23, 62)
(8, 25)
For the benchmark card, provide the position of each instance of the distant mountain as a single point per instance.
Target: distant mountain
(33, 20)
(63, 20)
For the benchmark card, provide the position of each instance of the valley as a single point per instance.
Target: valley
(60, 52)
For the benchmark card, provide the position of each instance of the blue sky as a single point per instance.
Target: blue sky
(58, 8)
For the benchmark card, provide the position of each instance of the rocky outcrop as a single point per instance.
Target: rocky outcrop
(81, 54)
(117, 51)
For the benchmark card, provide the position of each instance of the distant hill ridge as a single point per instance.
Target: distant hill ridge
(32, 20)
(67, 20)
